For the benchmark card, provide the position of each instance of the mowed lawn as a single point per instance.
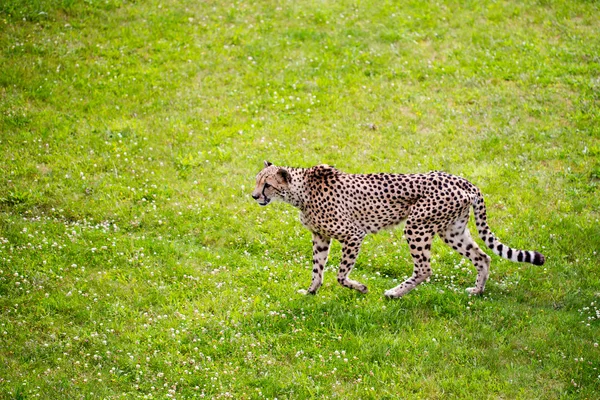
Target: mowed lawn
(135, 264)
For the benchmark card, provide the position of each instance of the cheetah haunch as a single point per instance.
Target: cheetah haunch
(347, 207)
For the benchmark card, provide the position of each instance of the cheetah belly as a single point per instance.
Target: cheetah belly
(394, 225)
(380, 216)
(373, 225)
(335, 226)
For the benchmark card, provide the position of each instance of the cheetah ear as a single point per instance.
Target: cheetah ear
(268, 164)
(285, 175)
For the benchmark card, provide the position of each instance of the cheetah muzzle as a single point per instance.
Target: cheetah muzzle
(347, 207)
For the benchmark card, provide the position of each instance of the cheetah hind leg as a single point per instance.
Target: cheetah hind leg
(459, 238)
(420, 250)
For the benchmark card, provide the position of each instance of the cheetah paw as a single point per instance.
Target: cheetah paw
(363, 289)
(474, 291)
(392, 294)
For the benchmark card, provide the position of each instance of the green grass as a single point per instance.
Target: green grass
(134, 263)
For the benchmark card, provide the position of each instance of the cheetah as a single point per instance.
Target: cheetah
(347, 207)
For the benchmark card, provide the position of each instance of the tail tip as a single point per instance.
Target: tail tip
(538, 259)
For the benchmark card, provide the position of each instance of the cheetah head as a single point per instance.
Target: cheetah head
(272, 183)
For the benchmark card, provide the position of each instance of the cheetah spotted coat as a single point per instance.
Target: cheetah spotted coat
(346, 207)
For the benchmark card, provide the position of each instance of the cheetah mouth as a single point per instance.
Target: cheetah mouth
(265, 202)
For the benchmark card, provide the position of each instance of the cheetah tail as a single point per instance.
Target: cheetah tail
(486, 234)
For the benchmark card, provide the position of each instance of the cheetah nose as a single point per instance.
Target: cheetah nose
(255, 196)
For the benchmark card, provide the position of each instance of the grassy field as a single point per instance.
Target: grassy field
(135, 264)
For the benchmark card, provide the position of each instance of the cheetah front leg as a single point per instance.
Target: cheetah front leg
(320, 254)
(350, 249)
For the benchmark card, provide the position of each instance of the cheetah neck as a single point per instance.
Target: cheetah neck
(296, 194)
